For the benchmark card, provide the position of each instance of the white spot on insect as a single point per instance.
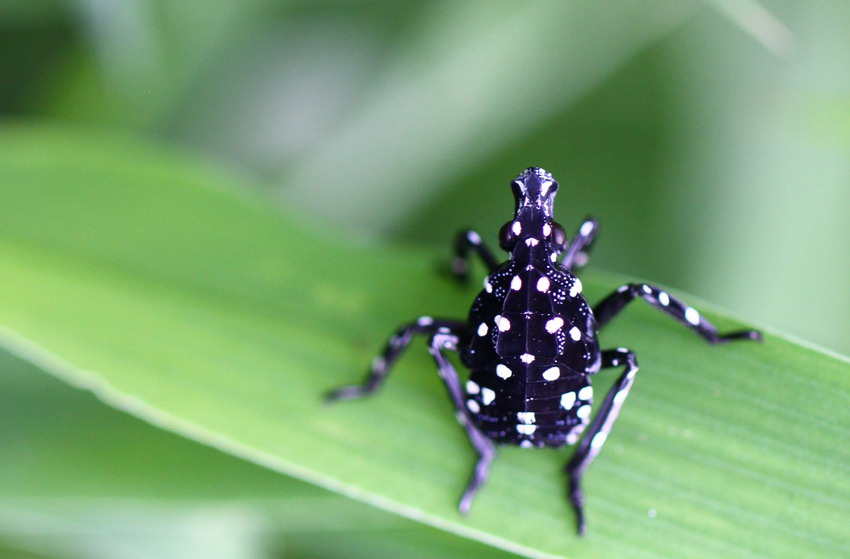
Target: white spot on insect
(647, 289)
(543, 284)
(554, 324)
(502, 371)
(516, 228)
(585, 393)
(573, 436)
(525, 444)
(576, 288)
(620, 397)
(531, 241)
(598, 440)
(526, 417)
(472, 387)
(443, 330)
(425, 321)
(487, 396)
(552, 373)
(547, 229)
(526, 358)
(482, 329)
(663, 298)
(568, 400)
(379, 364)
(575, 333)
(473, 238)
(553, 257)
(692, 316)
(473, 406)
(586, 228)
(516, 283)
(488, 287)
(526, 429)
(622, 288)
(504, 324)
(583, 412)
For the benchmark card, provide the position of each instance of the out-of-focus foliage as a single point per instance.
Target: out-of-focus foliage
(711, 139)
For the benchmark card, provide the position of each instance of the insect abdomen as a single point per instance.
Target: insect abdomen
(509, 409)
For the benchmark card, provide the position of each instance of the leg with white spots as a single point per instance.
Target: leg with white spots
(598, 431)
(465, 242)
(392, 351)
(483, 445)
(575, 256)
(663, 301)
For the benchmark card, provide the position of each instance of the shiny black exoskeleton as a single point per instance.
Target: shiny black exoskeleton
(531, 342)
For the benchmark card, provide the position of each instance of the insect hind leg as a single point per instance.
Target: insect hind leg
(596, 434)
(485, 447)
(611, 306)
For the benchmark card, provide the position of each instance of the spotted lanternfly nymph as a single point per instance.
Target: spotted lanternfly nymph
(531, 342)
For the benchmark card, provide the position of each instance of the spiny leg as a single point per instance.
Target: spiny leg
(575, 255)
(484, 446)
(598, 431)
(392, 351)
(661, 300)
(465, 242)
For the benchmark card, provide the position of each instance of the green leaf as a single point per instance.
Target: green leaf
(80, 479)
(140, 275)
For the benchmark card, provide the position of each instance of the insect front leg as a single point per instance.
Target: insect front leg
(441, 342)
(663, 301)
(575, 255)
(465, 242)
(598, 431)
(392, 351)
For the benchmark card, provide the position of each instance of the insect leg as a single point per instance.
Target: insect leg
(661, 300)
(465, 242)
(593, 440)
(440, 342)
(392, 351)
(575, 255)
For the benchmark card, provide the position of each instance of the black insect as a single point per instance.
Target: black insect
(531, 342)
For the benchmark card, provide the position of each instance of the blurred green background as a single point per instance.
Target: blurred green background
(711, 139)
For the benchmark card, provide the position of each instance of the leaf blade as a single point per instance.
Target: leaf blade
(141, 277)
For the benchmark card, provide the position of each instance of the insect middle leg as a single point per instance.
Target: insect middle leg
(465, 242)
(596, 434)
(396, 345)
(609, 307)
(441, 342)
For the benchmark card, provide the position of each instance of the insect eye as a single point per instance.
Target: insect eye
(507, 239)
